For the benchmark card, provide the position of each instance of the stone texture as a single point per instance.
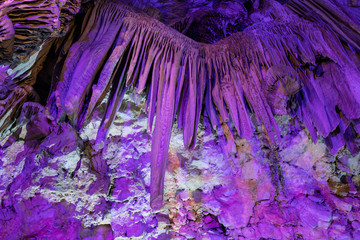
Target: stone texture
(25, 25)
(49, 187)
(116, 125)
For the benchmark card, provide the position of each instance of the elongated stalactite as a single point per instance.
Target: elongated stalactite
(253, 72)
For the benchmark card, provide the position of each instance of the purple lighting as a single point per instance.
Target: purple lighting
(179, 119)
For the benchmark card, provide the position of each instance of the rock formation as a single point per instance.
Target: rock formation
(264, 94)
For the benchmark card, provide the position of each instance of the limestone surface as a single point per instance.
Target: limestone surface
(179, 119)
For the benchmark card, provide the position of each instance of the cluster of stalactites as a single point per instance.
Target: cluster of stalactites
(253, 72)
(26, 24)
(343, 20)
(242, 80)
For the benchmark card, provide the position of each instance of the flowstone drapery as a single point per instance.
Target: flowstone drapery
(285, 64)
(287, 61)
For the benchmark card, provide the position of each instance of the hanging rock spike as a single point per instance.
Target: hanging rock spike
(236, 77)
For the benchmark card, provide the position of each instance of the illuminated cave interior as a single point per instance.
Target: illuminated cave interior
(180, 119)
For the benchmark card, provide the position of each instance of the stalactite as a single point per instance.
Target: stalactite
(342, 22)
(237, 76)
(35, 22)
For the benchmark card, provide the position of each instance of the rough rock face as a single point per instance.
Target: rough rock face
(240, 119)
(26, 24)
(219, 190)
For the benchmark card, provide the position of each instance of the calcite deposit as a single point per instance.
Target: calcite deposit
(179, 119)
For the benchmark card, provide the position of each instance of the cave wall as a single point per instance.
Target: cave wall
(247, 128)
(219, 190)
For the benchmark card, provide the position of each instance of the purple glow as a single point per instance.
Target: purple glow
(264, 96)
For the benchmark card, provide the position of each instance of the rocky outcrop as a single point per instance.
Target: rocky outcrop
(49, 187)
(25, 25)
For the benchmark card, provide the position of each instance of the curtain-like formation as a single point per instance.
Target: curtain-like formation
(254, 72)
